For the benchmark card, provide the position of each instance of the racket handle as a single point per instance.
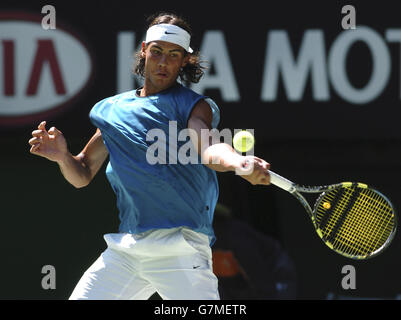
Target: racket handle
(281, 182)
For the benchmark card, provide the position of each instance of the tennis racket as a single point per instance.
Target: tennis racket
(351, 218)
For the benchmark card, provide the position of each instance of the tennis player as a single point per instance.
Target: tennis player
(165, 210)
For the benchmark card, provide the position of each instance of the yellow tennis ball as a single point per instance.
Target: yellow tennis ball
(243, 141)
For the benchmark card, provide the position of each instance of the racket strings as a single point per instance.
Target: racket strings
(361, 234)
(359, 222)
(333, 206)
(370, 204)
(361, 231)
(348, 206)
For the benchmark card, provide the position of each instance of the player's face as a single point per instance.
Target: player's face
(162, 65)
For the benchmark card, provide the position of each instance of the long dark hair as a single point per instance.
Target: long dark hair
(193, 71)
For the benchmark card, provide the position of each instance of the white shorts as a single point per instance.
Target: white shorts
(177, 263)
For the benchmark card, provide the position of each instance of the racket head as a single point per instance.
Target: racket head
(355, 220)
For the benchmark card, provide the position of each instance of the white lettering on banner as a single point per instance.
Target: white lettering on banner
(312, 64)
(126, 51)
(214, 50)
(279, 58)
(394, 35)
(381, 65)
(312, 54)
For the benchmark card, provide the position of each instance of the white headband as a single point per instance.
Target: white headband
(170, 33)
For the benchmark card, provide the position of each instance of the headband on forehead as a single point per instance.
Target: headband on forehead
(170, 33)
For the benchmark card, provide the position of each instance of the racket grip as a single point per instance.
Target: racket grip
(281, 182)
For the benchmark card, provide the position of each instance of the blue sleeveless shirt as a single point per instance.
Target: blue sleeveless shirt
(165, 194)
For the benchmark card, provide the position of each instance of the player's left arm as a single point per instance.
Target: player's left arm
(220, 156)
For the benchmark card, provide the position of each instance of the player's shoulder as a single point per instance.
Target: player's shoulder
(180, 89)
(119, 96)
(107, 102)
(186, 98)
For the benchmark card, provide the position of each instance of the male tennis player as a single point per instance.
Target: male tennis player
(166, 210)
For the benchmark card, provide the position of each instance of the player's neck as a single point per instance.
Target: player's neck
(149, 90)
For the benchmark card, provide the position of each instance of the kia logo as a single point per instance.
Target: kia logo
(43, 72)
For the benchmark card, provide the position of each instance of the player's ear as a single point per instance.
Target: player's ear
(143, 50)
(185, 60)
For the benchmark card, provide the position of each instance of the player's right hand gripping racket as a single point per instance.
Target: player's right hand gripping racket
(351, 218)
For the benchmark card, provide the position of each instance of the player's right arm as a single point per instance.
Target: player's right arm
(78, 170)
